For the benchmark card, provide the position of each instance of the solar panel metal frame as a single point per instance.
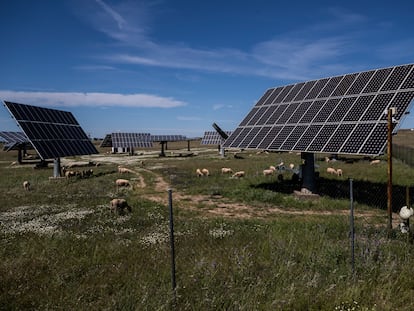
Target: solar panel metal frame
(343, 114)
(131, 140)
(53, 133)
(14, 137)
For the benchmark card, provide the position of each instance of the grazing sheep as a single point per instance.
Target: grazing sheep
(26, 185)
(339, 172)
(123, 170)
(205, 172)
(226, 170)
(122, 183)
(69, 174)
(238, 174)
(272, 167)
(291, 166)
(331, 170)
(268, 172)
(375, 162)
(88, 173)
(199, 173)
(119, 206)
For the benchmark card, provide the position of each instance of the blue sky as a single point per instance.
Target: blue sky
(175, 67)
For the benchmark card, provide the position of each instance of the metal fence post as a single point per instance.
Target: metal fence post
(173, 282)
(351, 198)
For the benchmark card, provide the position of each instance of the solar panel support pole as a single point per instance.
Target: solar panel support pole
(308, 171)
(56, 167)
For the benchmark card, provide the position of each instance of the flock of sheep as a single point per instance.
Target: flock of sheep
(224, 170)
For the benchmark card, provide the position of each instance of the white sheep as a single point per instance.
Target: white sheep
(199, 173)
(238, 174)
(331, 170)
(123, 170)
(122, 183)
(226, 170)
(26, 185)
(119, 206)
(205, 172)
(69, 174)
(375, 162)
(268, 172)
(291, 166)
(339, 172)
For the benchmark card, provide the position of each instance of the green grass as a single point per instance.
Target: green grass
(62, 249)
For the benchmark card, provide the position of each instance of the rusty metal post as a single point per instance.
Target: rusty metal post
(389, 170)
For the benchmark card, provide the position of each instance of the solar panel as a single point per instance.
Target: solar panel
(168, 138)
(213, 138)
(131, 140)
(14, 137)
(107, 141)
(341, 114)
(53, 133)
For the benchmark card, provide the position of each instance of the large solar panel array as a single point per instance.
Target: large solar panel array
(167, 138)
(14, 140)
(131, 140)
(14, 137)
(213, 138)
(53, 133)
(343, 114)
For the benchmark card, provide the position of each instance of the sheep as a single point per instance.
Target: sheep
(331, 170)
(199, 173)
(205, 172)
(26, 185)
(375, 162)
(269, 171)
(123, 170)
(122, 183)
(226, 170)
(291, 166)
(87, 173)
(339, 172)
(69, 174)
(119, 206)
(238, 174)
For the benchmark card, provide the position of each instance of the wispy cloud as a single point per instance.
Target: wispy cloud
(297, 55)
(73, 99)
(221, 106)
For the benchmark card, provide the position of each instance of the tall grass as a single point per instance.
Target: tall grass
(62, 249)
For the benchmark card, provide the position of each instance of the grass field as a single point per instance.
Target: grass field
(240, 244)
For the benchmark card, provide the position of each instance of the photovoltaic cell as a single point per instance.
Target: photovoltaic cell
(167, 138)
(213, 138)
(14, 137)
(53, 133)
(131, 140)
(342, 114)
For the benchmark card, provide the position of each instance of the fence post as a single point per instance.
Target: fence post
(173, 282)
(351, 199)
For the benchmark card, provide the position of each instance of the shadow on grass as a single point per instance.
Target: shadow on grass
(364, 192)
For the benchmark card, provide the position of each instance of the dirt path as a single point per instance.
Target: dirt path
(217, 205)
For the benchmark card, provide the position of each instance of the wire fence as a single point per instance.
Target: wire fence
(404, 153)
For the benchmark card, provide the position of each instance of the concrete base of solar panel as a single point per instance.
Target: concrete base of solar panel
(305, 194)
